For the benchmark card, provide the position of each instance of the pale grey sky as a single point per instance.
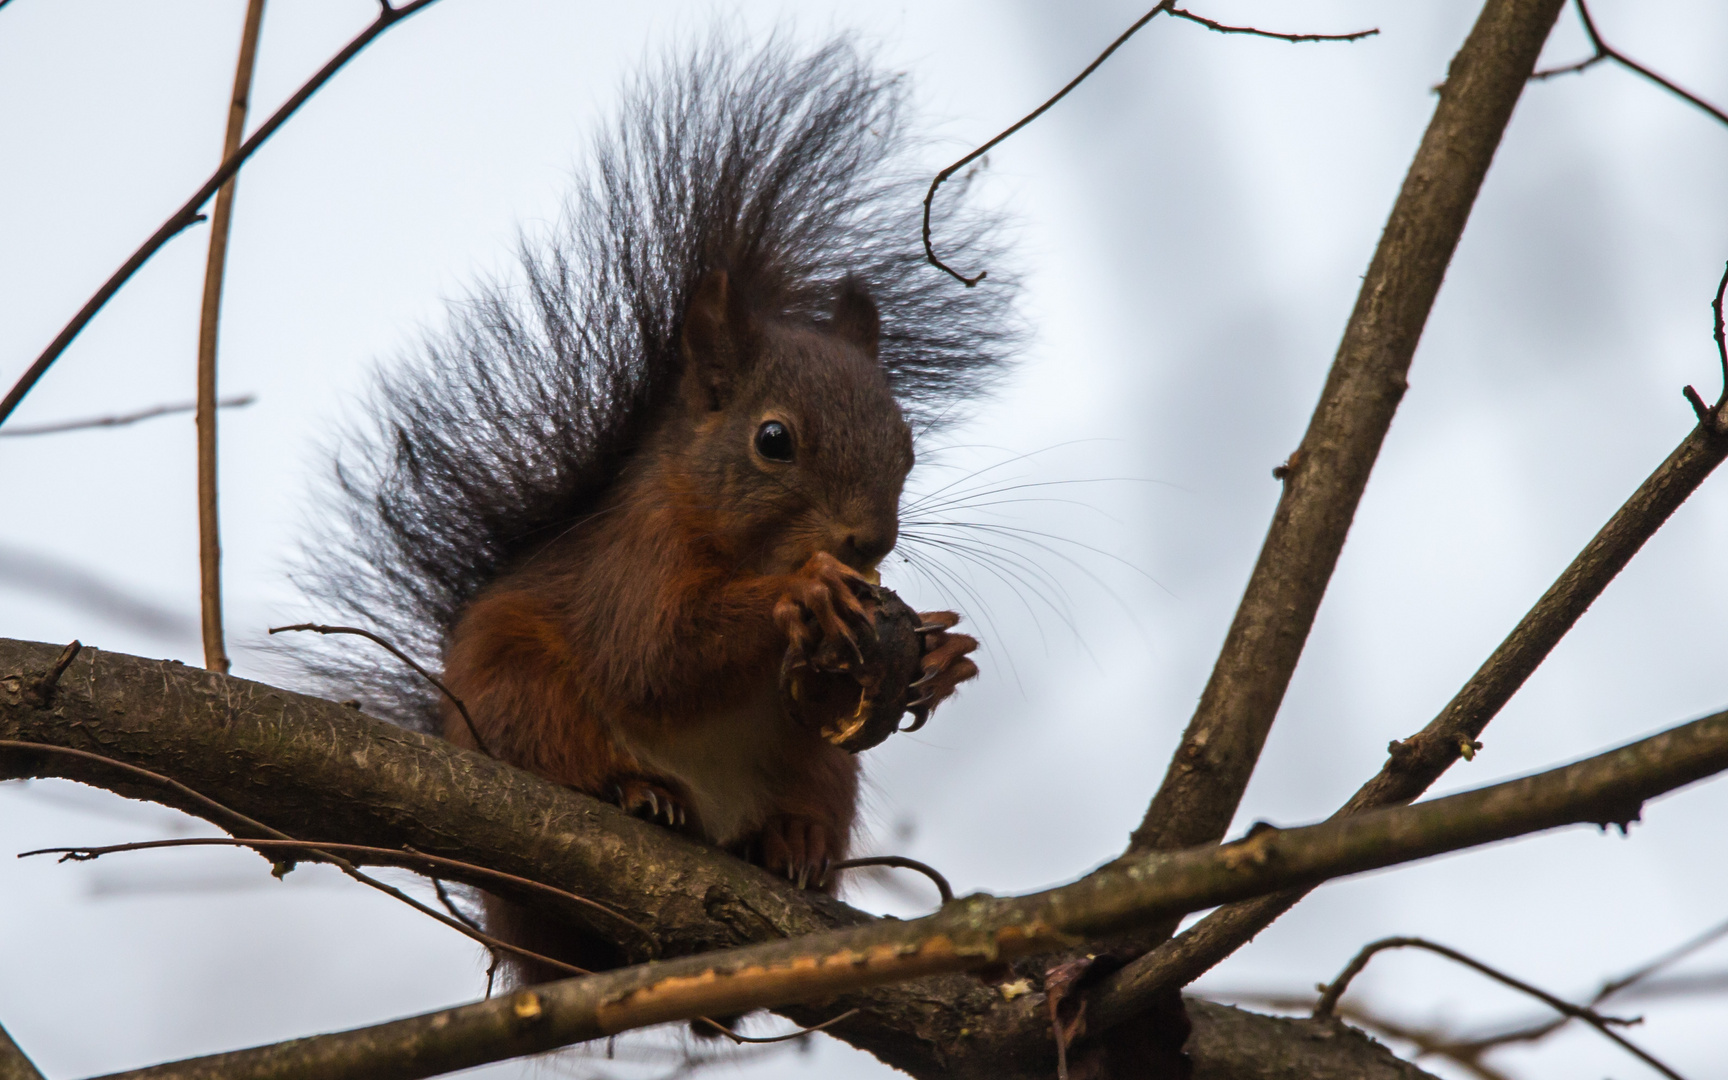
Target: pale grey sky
(1193, 222)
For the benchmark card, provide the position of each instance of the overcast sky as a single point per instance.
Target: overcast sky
(1193, 223)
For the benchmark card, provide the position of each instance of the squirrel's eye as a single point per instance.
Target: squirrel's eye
(773, 441)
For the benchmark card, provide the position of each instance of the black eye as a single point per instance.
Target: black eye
(773, 441)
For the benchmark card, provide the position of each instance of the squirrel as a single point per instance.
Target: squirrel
(620, 497)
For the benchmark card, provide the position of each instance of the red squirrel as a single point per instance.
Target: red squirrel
(620, 496)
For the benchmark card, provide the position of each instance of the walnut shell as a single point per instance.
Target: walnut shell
(856, 699)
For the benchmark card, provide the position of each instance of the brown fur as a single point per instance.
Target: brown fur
(638, 657)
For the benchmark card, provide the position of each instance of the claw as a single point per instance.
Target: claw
(929, 628)
(803, 876)
(920, 716)
(653, 806)
(925, 679)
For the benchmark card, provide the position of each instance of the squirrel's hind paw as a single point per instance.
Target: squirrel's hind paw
(651, 800)
(800, 848)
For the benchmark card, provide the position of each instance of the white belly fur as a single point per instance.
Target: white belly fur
(725, 763)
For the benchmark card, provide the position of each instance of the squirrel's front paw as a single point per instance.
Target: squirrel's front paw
(945, 664)
(650, 800)
(821, 615)
(799, 847)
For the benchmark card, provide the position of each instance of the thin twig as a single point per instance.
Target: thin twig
(1179, 13)
(252, 824)
(1605, 51)
(1168, 6)
(121, 420)
(901, 862)
(396, 856)
(1721, 351)
(763, 1039)
(319, 628)
(942, 177)
(1329, 998)
(40, 690)
(188, 213)
(209, 529)
(438, 887)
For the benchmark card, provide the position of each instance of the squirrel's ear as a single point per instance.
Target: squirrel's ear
(715, 340)
(855, 317)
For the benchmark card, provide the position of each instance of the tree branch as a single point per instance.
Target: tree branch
(1415, 763)
(328, 772)
(1326, 475)
(980, 930)
(187, 215)
(14, 1065)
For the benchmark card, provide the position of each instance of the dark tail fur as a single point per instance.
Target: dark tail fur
(789, 170)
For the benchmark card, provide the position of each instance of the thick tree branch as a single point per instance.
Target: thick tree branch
(980, 930)
(1415, 763)
(188, 214)
(327, 772)
(1325, 477)
(13, 1064)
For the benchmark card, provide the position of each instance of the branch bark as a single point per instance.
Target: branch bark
(1325, 477)
(325, 772)
(981, 930)
(13, 1064)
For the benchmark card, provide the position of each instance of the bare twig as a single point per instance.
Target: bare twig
(414, 860)
(252, 824)
(1605, 51)
(942, 177)
(1692, 395)
(209, 529)
(438, 887)
(319, 628)
(14, 1065)
(1356, 35)
(765, 1039)
(982, 931)
(903, 863)
(39, 691)
(188, 213)
(1329, 998)
(1168, 6)
(1468, 1050)
(121, 420)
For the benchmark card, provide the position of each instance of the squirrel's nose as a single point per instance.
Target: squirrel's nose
(865, 548)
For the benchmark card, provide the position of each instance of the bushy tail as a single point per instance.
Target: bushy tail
(790, 170)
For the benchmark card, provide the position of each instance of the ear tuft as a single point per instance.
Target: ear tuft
(855, 317)
(714, 340)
